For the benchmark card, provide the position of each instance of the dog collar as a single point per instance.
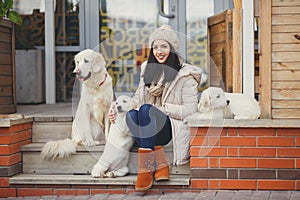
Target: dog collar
(105, 76)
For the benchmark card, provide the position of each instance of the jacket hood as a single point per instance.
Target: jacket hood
(191, 70)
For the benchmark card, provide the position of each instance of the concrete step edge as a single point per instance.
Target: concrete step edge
(30, 179)
(37, 147)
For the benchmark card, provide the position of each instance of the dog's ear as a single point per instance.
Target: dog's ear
(204, 102)
(75, 62)
(99, 62)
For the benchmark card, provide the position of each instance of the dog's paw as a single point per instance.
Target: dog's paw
(191, 117)
(98, 174)
(185, 120)
(90, 143)
(110, 175)
(95, 173)
(102, 175)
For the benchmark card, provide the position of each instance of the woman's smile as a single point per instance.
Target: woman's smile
(161, 50)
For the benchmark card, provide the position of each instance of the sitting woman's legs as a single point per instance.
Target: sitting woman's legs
(149, 126)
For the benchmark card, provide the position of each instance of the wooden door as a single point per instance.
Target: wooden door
(225, 50)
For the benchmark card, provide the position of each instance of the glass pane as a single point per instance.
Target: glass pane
(125, 26)
(66, 34)
(32, 32)
(196, 24)
(67, 23)
(64, 76)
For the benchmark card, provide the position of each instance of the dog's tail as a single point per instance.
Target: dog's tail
(60, 149)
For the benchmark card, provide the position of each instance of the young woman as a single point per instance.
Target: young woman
(167, 93)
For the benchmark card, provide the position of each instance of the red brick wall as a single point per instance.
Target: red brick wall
(11, 140)
(245, 158)
(221, 158)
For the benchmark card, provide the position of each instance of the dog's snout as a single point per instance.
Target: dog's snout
(228, 101)
(119, 108)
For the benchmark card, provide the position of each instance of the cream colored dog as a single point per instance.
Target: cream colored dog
(217, 104)
(241, 106)
(211, 104)
(91, 123)
(113, 162)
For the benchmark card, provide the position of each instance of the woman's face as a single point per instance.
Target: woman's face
(161, 50)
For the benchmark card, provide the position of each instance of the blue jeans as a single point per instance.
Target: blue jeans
(149, 126)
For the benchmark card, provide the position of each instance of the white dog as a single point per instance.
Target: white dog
(113, 162)
(217, 104)
(211, 105)
(91, 122)
(241, 106)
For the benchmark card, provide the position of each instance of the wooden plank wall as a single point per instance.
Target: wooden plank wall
(285, 59)
(7, 82)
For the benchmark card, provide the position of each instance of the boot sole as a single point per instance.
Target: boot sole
(162, 179)
(144, 188)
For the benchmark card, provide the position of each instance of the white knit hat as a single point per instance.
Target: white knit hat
(165, 32)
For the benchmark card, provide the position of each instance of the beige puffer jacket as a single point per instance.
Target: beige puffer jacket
(179, 100)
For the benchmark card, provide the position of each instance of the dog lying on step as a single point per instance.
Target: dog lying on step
(217, 104)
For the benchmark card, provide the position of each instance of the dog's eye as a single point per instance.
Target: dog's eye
(86, 61)
(124, 101)
(218, 96)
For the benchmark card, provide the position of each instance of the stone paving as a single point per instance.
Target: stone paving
(204, 195)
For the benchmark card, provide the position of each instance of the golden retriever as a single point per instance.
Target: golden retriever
(91, 123)
(113, 162)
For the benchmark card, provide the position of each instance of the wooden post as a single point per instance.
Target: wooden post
(237, 50)
(265, 61)
(237, 4)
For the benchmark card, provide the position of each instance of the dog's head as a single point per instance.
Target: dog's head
(212, 98)
(121, 105)
(88, 62)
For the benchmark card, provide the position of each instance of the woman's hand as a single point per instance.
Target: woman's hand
(112, 116)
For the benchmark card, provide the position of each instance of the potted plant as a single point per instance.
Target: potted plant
(7, 56)
(6, 11)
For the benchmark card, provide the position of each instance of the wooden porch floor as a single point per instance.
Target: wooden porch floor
(47, 110)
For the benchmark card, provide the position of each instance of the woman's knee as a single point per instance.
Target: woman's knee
(145, 108)
(132, 116)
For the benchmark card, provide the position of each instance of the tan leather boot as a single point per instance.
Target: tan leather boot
(146, 169)
(162, 166)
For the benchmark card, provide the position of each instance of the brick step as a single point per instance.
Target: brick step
(82, 162)
(34, 179)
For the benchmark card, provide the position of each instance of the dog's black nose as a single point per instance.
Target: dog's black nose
(77, 72)
(119, 108)
(228, 102)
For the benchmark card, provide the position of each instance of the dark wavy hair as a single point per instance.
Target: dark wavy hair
(154, 69)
